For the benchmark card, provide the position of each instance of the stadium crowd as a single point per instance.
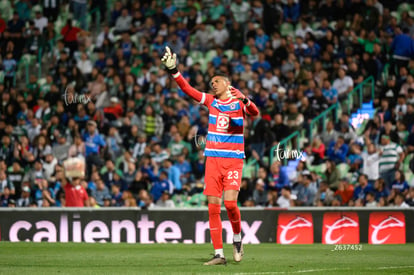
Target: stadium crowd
(107, 99)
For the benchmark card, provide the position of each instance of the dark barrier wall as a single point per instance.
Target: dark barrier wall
(300, 225)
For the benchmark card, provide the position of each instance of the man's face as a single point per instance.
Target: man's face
(220, 85)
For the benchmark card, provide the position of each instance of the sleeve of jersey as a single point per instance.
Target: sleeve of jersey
(251, 108)
(186, 87)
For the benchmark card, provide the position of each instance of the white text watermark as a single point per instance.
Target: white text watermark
(287, 153)
(73, 98)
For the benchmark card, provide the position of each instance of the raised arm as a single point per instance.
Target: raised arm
(169, 60)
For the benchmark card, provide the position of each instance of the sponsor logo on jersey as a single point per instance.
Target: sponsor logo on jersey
(223, 122)
(234, 183)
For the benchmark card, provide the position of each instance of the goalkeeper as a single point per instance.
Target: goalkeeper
(224, 151)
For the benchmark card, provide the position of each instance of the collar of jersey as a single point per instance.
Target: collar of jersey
(224, 102)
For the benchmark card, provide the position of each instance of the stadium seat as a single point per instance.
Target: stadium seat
(229, 53)
(6, 10)
(196, 55)
(315, 25)
(41, 81)
(287, 29)
(36, 8)
(196, 200)
(318, 169)
(210, 55)
(396, 15)
(249, 168)
(343, 169)
(403, 7)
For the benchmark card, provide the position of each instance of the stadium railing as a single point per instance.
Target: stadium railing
(319, 122)
(314, 125)
(358, 93)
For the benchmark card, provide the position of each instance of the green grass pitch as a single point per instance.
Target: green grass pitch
(71, 258)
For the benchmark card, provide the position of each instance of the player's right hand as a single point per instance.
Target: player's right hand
(169, 59)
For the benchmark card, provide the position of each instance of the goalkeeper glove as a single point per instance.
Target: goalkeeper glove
(169, 60)
(235, 93)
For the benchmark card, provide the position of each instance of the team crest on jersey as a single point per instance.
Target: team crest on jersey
(232, 106)
(223, 122)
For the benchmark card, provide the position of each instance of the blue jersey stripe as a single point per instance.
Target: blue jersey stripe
(219, 154)
(212, 119)
(236, 121)
(221, 138)
(233, 121)
(234, 106)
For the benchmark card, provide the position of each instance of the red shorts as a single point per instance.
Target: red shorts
(222, 174)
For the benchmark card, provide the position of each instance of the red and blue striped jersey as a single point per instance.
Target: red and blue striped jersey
(226, 121)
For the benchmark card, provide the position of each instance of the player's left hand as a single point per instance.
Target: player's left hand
(169, 59)
(235, 93)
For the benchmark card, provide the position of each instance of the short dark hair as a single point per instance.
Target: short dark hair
(220, 74)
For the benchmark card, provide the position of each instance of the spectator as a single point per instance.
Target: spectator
(278, 176)
(123, 22)
(324, 196)
(318, 151)
(93, 144)
(370, 163)
(399, 201)
(338, 150)
(203, 38)
(391, 158)
(370, 200)
(75, 193)
(185, 169)
(220, 35)
(117, 199)
(161, 185)
(380, 189)
(10, 68)
(291, 11)
(286, 199)
(165, 201)
(240, 11)
(330, 93)
(279, 129)
(306, 190)
(70, 36)
(401, 49)
(173, 174)
(5, 197)
(400, 185)
(343, 84)
(5, 183)
(25, 199)
(80, 11)
(152, 123)
(101, 193)
(354, 159)
(294, 119)
(271, 198)
(259, 193)
(40, 21)
(332, 175)
(362, 188)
